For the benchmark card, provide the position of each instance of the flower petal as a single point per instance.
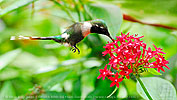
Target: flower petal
(112, 84)
(99, 76)
(117, 84)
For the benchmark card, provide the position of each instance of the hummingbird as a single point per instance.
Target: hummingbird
(74, 33)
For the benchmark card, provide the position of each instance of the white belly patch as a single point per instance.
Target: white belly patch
(86, 28)
(66, 44)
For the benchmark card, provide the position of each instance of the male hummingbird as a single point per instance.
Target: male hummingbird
(74, 33)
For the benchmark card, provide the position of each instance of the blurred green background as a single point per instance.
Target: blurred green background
(25, 65)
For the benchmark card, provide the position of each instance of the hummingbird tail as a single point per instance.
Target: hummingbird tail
(30, 38)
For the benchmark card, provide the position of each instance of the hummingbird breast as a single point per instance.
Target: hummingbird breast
(85, 28)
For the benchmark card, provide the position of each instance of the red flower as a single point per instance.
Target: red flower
(114, 61)
(126, 72)
(150, 53)
(104, 72)
(115, 80)
(158, 50)
(160, 62)
(130, 59)
(127, 54)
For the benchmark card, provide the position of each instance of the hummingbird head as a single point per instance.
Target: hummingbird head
(99, 26)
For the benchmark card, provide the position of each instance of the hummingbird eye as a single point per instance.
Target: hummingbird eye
(102, 27)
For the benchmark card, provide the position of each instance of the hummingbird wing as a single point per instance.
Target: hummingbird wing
(75, 33)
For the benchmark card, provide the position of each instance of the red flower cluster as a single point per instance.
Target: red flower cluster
(127, 54)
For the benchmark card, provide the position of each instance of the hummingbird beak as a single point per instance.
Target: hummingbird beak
(110, 37)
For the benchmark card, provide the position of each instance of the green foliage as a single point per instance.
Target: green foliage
(7, 91)
(5, 59)
(15, 6)
(99, 92)
(76, 89)
(158, 88)
(112, 17)
(56, 79)
(52, 95)
(153, 71)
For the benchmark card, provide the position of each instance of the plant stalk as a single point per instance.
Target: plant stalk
(144, 88)
(85, 13)
(77, 10)
(68, 13)
(112, 92)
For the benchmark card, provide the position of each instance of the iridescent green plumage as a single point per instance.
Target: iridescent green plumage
(99, 22)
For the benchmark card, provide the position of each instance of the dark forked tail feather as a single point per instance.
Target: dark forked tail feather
(55, 38)
(30, 38)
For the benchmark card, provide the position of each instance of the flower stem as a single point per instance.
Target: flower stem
(77, 10)
(144, 88)
(64, 8)
(87, 15)
(112, 92)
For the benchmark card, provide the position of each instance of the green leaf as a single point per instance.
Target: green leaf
(18, 4)
(76, 92)
(129, 84)
(111, 14)
(56, 79)
(24, 84)
(7, 91)
(123, 93)
(52, 95)
(88, 79)
(8, 57)
(158, 88)
(173, 67)
(153, 71)
(100, 88)
(12, 73)
(172, 61)
(1, 1)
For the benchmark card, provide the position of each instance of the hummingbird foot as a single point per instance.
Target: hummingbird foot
(74, 48)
